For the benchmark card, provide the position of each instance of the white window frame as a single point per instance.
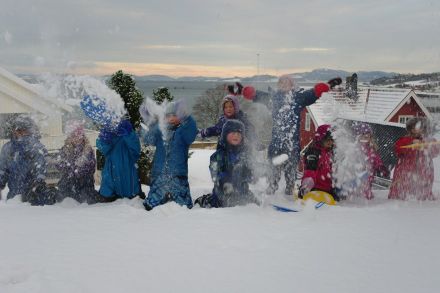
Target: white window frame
(405, 118)
(308, 122)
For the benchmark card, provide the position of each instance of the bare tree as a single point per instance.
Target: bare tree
(207, 107)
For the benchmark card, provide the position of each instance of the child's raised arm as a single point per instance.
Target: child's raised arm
(190, 130)
(214, 130)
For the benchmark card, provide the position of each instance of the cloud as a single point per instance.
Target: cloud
(163, 47)
(287, 34)
(310, 50)
(195, 47)
(7, 36)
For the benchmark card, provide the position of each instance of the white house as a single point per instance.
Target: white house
(18, 96)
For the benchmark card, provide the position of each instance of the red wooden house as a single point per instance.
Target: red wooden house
(375, 105)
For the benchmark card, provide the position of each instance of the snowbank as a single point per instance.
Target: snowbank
(377, 246)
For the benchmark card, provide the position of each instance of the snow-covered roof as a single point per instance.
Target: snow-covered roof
(376, 105)
(29, 94)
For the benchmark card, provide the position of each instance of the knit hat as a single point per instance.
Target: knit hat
(361, 128)
(177, 108)
(232, 125)
(322, 133)
(417, 122)
(249, 92)
(24, 122)
(286, 83)
(74, 128)
(234, 100)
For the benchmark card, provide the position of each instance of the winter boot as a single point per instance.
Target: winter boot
(289, 189)
(147, 206)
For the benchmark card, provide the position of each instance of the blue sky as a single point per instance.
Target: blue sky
(218, 38)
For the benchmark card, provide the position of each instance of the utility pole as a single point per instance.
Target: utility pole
(258, 63)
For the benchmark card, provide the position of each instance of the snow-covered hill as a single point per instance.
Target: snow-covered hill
(377, 246)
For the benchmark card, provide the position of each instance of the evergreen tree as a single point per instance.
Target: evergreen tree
(162, 94)
(125, 86)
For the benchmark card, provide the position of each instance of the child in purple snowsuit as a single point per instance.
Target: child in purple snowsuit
(231, 110)
(77, 163)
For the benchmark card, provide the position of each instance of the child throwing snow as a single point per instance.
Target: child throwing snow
(372, 162)
(318, 164)
(169, 175)
(230, 170)
(287, 105)
(414, 172)
(121, 149)
(77, 164)
(231, 110)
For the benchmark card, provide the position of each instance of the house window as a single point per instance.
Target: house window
(404, 118)
(307, 126)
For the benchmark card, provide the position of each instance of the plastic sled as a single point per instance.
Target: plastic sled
(320, 196)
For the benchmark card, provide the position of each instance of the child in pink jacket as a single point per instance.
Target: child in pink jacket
(372, 163)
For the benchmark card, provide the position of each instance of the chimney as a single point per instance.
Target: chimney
(351, 87)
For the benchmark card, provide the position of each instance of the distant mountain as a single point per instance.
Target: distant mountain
(156, 77)
(403, 78)
(326, 74)
(322, 74)
(368, 76)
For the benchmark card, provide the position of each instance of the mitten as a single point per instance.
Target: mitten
(106, 135)
(306, 186)
(124, 128)
(321, 88)
(334, 82)
(239, 88)
(202, 133)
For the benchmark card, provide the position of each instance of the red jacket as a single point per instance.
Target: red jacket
(414, 171)
(318, 166)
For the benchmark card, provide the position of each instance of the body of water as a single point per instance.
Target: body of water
(189, 90)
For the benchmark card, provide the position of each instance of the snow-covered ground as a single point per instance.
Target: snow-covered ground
(377, 246)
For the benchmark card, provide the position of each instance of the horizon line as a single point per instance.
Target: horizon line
(176, 70)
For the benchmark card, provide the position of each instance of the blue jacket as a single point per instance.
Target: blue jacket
(231, 172)
(22, 164)
(120, 175)
(286, 116)
(171, 156)
(216, 129)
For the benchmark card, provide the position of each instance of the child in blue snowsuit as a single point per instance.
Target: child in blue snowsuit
(76, 164)
(230, 170)
(231, 110)
(121, 149)
(23, 163)
(170, 164)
